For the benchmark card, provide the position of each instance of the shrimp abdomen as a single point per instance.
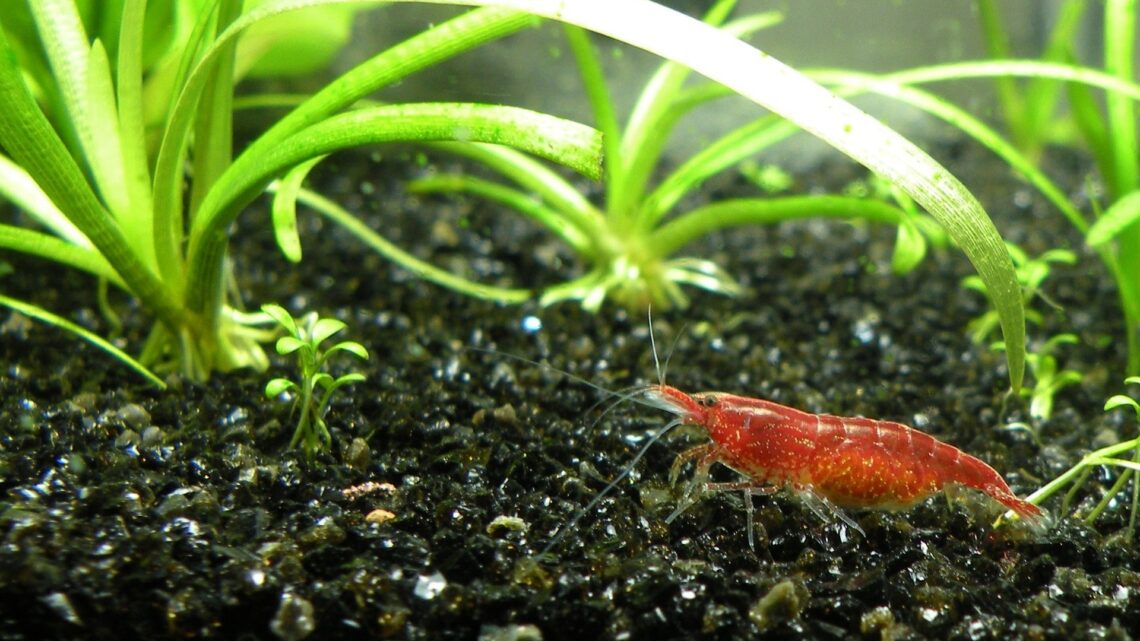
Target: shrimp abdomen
(888, 465)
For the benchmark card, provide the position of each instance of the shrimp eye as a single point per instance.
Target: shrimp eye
(706, 401)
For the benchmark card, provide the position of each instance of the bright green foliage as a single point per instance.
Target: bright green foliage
(169, 251)
(628, 243)
(1109, 133)
(628, 254)
(1048, 377)
(297, 43)
(117, 141)
(313, 387)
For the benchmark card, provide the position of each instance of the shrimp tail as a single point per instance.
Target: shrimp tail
(1036, 517)
(972, 472)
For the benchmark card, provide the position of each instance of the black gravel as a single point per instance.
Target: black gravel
(134, 514)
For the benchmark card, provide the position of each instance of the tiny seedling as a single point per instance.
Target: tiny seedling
(1048, 378)
(314, 387)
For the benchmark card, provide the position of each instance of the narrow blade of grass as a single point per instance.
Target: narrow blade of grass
(129, 79)
(18, 188)
(1119, 40)
(1091, 124)
(420, 268)
(536, 177)
(680, 231)
(44, 316)
(35, 146)
(523, 203)
(572, 144)
(285, 209)
(1118, 217)
(34, 243)
(994, 35)
(602, 105)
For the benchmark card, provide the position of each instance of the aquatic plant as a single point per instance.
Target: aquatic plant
(1109, 134)
(1113, 232)
(105, 202)
(1111, 456)
(630, 253)
(177, 270)
(628, 243)
(314, 387)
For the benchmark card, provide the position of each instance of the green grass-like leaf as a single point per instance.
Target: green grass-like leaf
(44, 316)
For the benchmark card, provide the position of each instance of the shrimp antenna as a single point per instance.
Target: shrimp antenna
(653, 345)
(672, 348)
(562, 531)
(662, 370)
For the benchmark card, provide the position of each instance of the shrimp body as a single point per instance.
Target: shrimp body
(851, 462)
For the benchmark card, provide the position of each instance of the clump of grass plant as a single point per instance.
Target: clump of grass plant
(313, 388)
(628, 244)
(117, 144)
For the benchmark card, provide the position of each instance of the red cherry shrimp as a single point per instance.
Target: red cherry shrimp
(833, 462)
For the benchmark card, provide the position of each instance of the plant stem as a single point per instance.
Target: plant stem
(1120, 35)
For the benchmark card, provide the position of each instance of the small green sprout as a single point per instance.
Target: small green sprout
(1047, 380)
(314, 388)
(770, 179)
(1107, 456)
(1120, 400)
